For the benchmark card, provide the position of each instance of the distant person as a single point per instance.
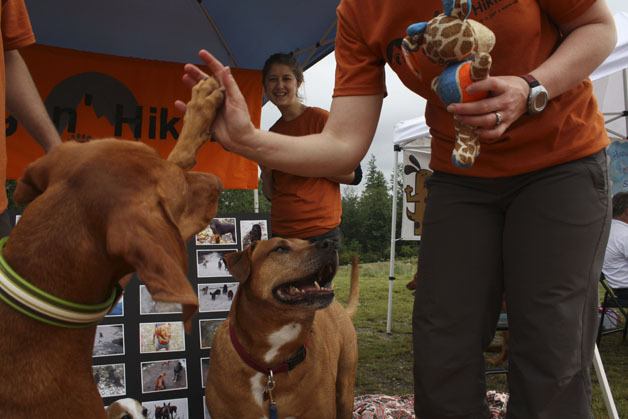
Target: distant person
(615, 267)
(18, 92)
(162, 336)
(302, 207)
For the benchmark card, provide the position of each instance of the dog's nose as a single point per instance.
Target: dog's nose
(327, 244)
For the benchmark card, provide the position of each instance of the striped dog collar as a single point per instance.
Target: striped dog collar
(35, 303)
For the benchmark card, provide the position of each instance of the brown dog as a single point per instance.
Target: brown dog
(283, 318)
(97, 212)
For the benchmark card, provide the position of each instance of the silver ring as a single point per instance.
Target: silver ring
(498, 118)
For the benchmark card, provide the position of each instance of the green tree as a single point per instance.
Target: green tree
(350, 225)
(240, 201)
(375, 213)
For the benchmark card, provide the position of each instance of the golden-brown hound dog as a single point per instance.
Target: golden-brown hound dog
(283, 318)
(97, 211)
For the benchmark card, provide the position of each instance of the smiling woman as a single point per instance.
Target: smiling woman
(301, 207)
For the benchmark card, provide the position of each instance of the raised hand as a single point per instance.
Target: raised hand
(232, 127)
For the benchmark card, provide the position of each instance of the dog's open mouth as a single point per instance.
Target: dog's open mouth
(315, 290)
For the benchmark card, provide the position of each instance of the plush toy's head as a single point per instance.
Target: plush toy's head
(449, 37)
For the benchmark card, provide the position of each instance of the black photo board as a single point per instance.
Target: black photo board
(140, 348)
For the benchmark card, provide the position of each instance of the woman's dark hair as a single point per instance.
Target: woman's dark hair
(285, 59)
(620, 203)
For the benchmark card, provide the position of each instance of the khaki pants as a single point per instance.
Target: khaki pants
(540, 239)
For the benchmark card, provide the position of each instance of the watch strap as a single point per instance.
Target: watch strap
(529, 78)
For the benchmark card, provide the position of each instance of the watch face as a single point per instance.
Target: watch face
(538, 100)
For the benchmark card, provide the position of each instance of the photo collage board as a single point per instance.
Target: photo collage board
(141, 350)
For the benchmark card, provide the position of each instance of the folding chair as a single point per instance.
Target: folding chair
(612, 300)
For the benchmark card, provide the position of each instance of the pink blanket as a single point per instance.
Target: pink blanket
(379, 406)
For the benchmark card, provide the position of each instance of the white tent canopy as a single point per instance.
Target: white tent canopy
(610, 82)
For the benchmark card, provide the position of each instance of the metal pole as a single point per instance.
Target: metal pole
(256, 200)
(393, 228)
(606, 389)
(625, 76)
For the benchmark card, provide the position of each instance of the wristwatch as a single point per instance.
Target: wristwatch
(538, 96)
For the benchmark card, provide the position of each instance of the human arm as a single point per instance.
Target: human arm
(336, 150)
(353, 178)
(572, 62)
(344, 179)
(24, 102)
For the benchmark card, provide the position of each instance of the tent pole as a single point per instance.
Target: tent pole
(255, 200)
(393, 233)
(606, 389)
(625, 76)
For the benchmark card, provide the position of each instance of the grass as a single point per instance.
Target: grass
(385, 361)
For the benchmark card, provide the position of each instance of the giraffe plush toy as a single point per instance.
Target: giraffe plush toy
(463, 46)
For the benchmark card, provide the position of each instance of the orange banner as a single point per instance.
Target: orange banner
(94, 96)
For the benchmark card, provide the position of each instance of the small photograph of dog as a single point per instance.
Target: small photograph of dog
(204, 370)
(219, 231)
(126, 408)
(216, 297)
(207, 329)
(211, 263)
(149, 306)
(206, 414)
(109, 340)
(118, 309)
(168, 409)
(162, 337)
(110, 379)
(164, 375)
(252, 231)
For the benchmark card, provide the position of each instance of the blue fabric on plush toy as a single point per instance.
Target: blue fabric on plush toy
(452, 83)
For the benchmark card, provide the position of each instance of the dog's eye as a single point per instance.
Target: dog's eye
(281, 249)
(127, 416)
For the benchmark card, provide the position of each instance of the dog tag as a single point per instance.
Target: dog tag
(270, 385)
(272, 411)
(268, 395)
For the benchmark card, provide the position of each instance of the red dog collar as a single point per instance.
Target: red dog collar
(248, 360)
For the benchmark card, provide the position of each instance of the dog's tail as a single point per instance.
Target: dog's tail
(354, 292)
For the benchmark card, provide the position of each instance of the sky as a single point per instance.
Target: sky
(399, 105)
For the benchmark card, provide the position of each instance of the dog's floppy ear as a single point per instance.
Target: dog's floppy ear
(34, 181)
(239, 264)
(145, 237)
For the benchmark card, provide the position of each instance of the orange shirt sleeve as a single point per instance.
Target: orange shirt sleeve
(359, 71)
(15, 25)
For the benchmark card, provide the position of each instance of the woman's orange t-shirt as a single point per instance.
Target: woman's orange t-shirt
(303, 207)
(15, 28)
(369, 36)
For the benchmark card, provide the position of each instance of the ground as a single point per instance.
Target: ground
(385, 361)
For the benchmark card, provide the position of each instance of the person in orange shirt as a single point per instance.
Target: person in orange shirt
(302, 207)
(529, 220)
(18, 92)
(161, 336)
